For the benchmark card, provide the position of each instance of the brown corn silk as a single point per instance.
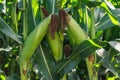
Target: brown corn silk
(53, 26)
(45, 12)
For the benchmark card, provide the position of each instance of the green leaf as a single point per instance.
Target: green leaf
(46, 62)
(13, 77)
(1, 7)
(36, 11)
(111, 16)
(115, 45)
(49, 5)
(93, 3)
(73, 76)
(105, 22)
(109, 4)
(5, 28)
(2, 77)
(63, 2)
(35, 6)
(85, 49)
(30, 17)
(106, 60)
(38, 17)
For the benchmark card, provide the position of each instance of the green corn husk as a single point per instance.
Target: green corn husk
(75, 30)
(71, 38)
(55, 46)
(78, 35)
(56, 43)
(54, 39)
(31, 44)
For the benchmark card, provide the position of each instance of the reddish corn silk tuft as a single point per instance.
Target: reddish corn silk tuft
(91, 58)
(67, 50)
(62, 18)
(53, 26)
(45, 12)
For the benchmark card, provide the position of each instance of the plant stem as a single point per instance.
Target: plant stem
(23, 71)
(12, 67)
(25, 28)
(23, 66)
(89, 67)
(92, 27)
(93, 75)
(14, 17)
(93, 37)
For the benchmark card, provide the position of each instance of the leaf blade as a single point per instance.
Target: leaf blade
(84, 49)
(46, 63)
(4, 27)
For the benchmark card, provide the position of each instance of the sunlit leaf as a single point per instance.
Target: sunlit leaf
(115, 45)
(105, 22)
(61, 2)
(34, 6)
(2, 77)
(109, 4)
(111, 16)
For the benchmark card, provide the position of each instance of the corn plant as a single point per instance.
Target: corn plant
(59, 39)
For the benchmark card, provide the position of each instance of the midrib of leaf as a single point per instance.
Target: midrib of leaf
(73, 58)
(46, 62)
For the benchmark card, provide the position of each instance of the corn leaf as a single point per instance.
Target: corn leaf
(30, 17)
(45, 62)
(104, 5)
(73, 76)
(49, 5)
(85, 49)
(111, 16)
(35, 6)
(13, 77)
(105, 22)
(109, 4)
(106, 61)
(115, 45)
(36, 11)
(5, 28)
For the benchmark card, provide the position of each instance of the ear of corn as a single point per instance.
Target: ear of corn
(75, 30)
(31, 44)
(14, 17)
(61, 36)
(79, 35)
(54, 40)
(55, 46)
(71, 38)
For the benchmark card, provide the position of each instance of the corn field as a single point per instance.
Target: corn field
(59, 39)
